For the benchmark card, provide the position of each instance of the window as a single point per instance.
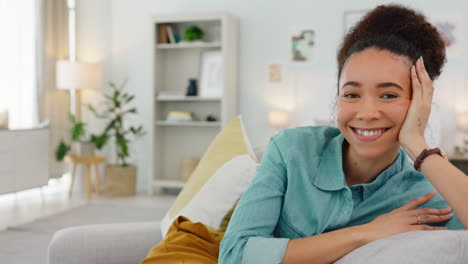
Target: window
(18, 82)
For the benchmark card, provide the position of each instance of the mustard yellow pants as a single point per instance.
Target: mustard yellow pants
(186, 242)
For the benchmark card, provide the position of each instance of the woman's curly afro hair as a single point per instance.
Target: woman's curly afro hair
(397, 29)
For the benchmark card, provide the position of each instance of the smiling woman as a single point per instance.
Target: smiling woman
(321, 192)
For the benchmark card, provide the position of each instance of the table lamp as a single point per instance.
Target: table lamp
(72, 75)
(462, 124)
(278, 120)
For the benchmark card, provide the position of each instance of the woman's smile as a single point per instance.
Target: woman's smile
(368, 134)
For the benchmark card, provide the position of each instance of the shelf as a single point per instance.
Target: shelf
(188, 123)
(168, 184)
(189, 45)
(187, 99)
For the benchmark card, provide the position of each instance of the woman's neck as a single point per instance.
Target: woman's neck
(358, 169)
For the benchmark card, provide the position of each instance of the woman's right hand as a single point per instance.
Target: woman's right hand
(407, 218)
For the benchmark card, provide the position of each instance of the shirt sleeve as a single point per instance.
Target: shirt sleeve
(249, 237)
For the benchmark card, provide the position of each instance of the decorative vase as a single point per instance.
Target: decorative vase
(83, 149)
(192, 87)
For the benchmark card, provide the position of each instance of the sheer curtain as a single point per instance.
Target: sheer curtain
(18, 83)
(54, 103)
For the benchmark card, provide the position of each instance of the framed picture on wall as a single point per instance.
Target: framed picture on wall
(211, 74)
(302, 43)
(350, 18)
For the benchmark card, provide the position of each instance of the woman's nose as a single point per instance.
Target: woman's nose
(368, 110)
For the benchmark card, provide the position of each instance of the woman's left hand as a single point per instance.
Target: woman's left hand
(411, 135)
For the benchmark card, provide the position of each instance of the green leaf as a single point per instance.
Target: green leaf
(100, 141)
(110, 126)
(116, 100)
(133, 110)
(61, 151)
(78, 130)
(129, 99)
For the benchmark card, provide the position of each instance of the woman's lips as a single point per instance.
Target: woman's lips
(368, 134)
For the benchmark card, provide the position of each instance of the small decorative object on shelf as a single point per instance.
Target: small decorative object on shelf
(193, 33)
(211, 118)
(188, 166)
(457, 151)
(178, 116)
(192, 88)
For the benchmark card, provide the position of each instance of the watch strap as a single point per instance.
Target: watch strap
(424, 154)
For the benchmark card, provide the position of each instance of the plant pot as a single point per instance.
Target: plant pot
(120, 181)
(83, 149)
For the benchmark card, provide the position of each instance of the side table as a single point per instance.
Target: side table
(87, 161)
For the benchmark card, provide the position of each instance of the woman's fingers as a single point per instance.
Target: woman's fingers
(415, 83)
(424, 80)
(429, 219)
(429, 211)
(413, 204)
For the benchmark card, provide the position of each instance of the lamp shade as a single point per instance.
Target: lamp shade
(76, 75)
(279, 119)
(462, 122)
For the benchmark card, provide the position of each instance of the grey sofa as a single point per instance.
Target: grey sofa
(130, 242)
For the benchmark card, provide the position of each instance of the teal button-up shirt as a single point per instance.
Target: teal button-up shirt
(300, 190)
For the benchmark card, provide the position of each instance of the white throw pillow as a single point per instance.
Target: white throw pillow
(218, 195)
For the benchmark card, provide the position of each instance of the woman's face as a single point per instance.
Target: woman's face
(374, 97)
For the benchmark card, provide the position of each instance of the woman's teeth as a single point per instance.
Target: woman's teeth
(368, 133)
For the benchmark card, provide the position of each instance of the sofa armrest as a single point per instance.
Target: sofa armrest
(104, 243)
(418, 247)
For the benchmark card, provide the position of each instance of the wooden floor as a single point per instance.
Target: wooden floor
(27, 206)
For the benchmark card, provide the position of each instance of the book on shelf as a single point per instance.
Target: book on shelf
(172, 34)
(179, 116)
(162, 34)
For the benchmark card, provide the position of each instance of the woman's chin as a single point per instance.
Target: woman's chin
(376, 152)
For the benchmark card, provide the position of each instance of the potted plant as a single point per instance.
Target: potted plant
(193, 33)
(120, 178)
(79, 144)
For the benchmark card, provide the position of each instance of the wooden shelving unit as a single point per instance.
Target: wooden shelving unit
(173, 65)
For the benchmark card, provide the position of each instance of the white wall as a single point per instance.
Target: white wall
(120, 34)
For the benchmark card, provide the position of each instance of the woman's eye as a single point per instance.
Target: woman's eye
(351, 95)
(389, 96)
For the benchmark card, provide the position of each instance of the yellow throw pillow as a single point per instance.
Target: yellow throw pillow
(220, 178)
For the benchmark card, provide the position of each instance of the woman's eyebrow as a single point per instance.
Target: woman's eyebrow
(389, 84)
(380, 85)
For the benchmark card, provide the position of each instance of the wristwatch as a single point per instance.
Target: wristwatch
(426, 153)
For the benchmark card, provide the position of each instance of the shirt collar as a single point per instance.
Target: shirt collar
(329, 174)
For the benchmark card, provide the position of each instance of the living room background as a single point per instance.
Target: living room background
(118, 33)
